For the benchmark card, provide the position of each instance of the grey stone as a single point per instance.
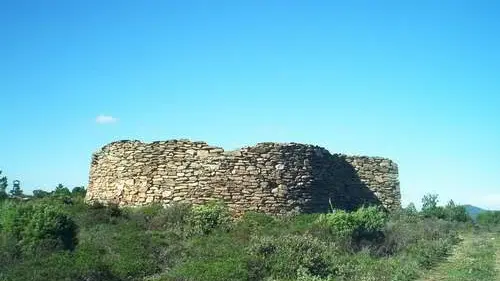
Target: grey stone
(279, 178)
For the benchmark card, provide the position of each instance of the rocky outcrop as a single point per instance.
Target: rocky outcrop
(275, 178)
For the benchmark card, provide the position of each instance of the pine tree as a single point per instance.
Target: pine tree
(61, 190)
(3, 186)
(16, 189)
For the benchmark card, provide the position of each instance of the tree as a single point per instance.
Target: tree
(489, 218)
(38, 193)
(61, 190)
(429, 201)
(79, 191)
(411, 209)
(455, 212)
(16, 189)
(430, 207)
(3, 186)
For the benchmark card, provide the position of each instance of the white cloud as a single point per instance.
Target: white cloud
(105, 119)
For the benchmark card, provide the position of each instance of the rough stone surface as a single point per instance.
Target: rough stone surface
(275, 178)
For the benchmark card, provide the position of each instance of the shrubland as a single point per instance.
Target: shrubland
(489, 220)
(56, 236)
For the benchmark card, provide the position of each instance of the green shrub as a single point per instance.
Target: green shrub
(430, 209)
(49, 226)
(39, 227)
(402, 232)
(356, 228)
(408, 214)
(257, 221)
(127, 250)
(97, 213)
(451, 211)
(60, 266)
(213, 257)
(280, 257)
(148, 211)
(229, 268)
(78, 191)
(158, 217)
(429, 252)
(489, 219)
(38, 193)
(253, 223)
(14, 217)
(456, 213)
(181, 242)
(90, 264)
(340, 222)
(370, 219)
(304, 275)
(300, 223)
(205, 218)
(9, 253)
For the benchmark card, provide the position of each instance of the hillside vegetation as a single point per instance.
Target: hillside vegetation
(475, 259)
(57, 237)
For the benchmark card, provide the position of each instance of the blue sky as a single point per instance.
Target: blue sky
(415, 81)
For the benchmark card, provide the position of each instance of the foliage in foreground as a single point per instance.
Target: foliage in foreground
(473, 260)
(37, 227)
(58, 237)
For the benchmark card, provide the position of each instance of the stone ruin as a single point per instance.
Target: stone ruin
(274, 178)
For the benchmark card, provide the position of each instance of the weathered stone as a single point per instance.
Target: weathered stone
(270, 177)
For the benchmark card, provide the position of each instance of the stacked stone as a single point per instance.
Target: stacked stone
(381, 175)
(269, 177)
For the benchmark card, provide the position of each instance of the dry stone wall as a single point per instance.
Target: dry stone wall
(275, 178)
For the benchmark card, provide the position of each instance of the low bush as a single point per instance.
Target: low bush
(97, 213)
(211, 258)
(280, 257)
(60, 266)
(39, 227)
(126, 249)
(253, 223)
(359, 228)
(489, 220)
(205, 218)
(158, 217)
(14, 217)
(183, 242)
(9, 252)
(49, 228)
(403, 232)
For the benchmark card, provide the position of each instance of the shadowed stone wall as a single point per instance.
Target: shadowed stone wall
(275, 178)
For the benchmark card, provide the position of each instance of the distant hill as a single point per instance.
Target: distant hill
(473, 211)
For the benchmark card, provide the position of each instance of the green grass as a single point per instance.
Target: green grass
(475, 259)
